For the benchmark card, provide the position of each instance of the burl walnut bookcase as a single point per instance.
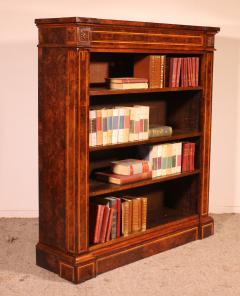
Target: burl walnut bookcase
(75, 54)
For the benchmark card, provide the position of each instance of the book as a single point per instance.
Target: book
(160, 131)
(104, 127)
(151, 67)
(103, 232)
(93, 128)
(129, 167)
(120, 179)
(113, 205)
(97, 214)
(127, 80)
(137, 85)
(188, 158)
(99, 127)
(125, 216)
(109, 225)
(109, 125)
(144, 213)
(115, 126)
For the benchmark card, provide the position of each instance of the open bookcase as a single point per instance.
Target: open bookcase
(75, 56)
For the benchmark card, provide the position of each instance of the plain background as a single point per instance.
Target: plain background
(18, 80)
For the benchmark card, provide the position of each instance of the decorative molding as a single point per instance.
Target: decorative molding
(84, 36)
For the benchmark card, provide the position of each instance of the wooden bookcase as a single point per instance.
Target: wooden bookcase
(70, 50)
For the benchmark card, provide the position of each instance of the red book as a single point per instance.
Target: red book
(192, 153)
(98, 209)
(109, 226)
(184, 81)
(190, 71)
(173, 72)
(121, 179)
(185, 157)
(104, 225)
(178, 71)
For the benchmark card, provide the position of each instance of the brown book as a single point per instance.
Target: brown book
(119, 213)
(173, 75)
(103, 232)
(109, 226)
(151, 67)
(120, 179)
(144, 213)
(125, 216)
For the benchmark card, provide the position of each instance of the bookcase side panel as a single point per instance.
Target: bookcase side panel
(52, 146)
(206, 112)
(82, 147)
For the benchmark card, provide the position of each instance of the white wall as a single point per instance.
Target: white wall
(18, 79)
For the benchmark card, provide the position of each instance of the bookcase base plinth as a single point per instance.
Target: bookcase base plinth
(98, 260)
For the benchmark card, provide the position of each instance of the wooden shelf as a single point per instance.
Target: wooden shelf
(170, 219)
(105, 91)
(177, 135)
(99, 188)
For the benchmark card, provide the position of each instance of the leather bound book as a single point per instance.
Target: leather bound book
(103, 232)
(96, 218)
(151, 67)
(109, 225)
(125, 216)
(144, 213)
(113, 206)
(119, 214)
(120, 179)
(173, 72)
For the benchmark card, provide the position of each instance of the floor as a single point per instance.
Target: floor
(207, 267)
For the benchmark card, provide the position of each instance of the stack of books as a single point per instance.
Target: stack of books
(126, 171)
(111, 217)
(153, 68)
(188, 158)
(184, 72)
(127, 83)
(118, 125)
(165, 159)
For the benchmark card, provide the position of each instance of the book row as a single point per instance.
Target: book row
(112, 217)
(118, 125)
(184, 72)
(158, 160)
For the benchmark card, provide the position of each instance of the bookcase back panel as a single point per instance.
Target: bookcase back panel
(179, 111)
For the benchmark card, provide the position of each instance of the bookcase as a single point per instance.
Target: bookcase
(75, 55)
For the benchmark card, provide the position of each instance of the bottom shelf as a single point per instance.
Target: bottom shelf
(170, 221)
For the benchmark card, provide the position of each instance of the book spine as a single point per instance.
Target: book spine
(185, 157)
(137, 123)
(113, 205)
(109, 125)
(179, 157)
(164, 160)
(162, 71)
(115, 126)
(109, 226)
(159, 160)
(144, 213)
(161, 131)
(135, 215)
(99, 128)
(126, 124)
(121, 126)
(154, 157)
(146, 111)
(93, 128)
(196, 71)
(125, 218)
(178, 71)
(119, 214)
(132, 125)
(139, 85)
(104, 224)
(104, 126)
(155, 71)
(130, 213)
(98, 225)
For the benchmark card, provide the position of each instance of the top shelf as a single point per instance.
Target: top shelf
(105, 91)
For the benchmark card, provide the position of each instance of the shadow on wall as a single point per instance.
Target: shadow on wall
(224, 126)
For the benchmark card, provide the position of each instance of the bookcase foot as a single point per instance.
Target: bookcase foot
(66, 266)
(206, 227)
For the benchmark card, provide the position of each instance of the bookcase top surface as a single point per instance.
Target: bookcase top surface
(108, 22)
